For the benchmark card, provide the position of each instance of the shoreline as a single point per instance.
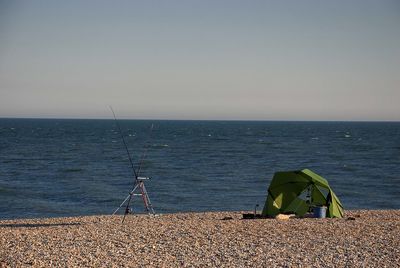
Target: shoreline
(197, 239)
(351, 211)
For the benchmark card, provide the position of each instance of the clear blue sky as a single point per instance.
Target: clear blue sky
(263, 60)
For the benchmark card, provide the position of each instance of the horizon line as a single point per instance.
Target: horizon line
(233, 120)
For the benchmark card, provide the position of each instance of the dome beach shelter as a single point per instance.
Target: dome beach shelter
(298, 191)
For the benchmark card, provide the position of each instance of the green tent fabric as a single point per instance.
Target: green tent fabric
(297, 191)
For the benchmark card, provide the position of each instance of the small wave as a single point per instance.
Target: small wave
(72, 170)
(349, 168)
(6, 191)
(261, 141)
(160, 145)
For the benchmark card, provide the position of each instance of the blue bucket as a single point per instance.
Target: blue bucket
(319, 212)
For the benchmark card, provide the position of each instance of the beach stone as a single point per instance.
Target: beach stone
(202, 240)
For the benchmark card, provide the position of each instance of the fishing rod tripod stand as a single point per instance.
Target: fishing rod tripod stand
(138, 186)
(139, 189)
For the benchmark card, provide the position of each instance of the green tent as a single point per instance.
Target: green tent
(297, 191)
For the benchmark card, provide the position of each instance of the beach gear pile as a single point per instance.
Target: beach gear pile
(299, 192)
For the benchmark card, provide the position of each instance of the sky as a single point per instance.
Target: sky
(213, 60)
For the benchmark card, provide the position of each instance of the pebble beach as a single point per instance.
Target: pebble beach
(363, 238)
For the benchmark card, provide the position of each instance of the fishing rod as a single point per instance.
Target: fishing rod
(138, 181)
(145, 150)
(126, 146)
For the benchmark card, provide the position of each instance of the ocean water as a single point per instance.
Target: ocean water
(51, 168)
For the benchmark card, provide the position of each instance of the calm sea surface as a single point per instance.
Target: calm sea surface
(80, 167)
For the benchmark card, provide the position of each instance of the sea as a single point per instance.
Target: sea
(73, 167)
